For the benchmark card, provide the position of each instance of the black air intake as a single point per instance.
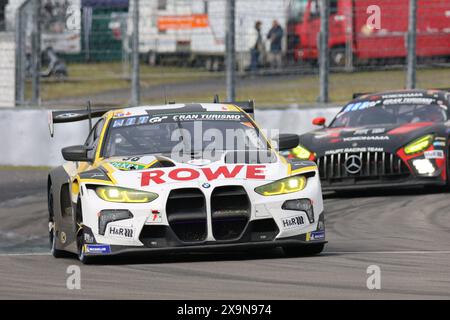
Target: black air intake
(230, 211)
(186, 213)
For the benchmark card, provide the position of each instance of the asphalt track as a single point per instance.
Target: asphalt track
(405, 233)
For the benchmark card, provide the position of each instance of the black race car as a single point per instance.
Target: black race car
(390, 139)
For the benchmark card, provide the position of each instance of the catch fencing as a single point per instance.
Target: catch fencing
(185, 46)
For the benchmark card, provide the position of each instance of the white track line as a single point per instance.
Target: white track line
(390, 252)
(325, 252)
(25, 254)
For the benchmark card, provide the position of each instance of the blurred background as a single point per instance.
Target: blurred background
(61, 53)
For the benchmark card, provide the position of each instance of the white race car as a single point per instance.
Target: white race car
(181, 177)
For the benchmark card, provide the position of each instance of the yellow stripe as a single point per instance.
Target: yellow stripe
(151, 164)
(96, 181)
(107, 117)
(310, 168)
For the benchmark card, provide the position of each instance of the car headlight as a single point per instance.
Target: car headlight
(284, 186)
(115, 194)
(420, 144)
(301, 152)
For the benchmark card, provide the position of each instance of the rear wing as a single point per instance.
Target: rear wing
(66, 116)
(246, 106)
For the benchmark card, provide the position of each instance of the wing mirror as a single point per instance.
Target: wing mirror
(287, 141)
(76, 153)
(319, 121)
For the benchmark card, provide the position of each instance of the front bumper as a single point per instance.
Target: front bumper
(207, 225)
(116, 250)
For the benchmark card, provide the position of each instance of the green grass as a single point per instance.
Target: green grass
(92, 78)
(12, 168)
(89, 79)
(305, 89)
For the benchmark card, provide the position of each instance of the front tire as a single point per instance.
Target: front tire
(80, 245)
(304, 251)
(80, 236)
(52, 233)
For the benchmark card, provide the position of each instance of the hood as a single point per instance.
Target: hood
(160, 170)
(387, 138)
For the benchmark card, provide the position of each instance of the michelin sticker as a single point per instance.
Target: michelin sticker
(317, 235)
(97, 248)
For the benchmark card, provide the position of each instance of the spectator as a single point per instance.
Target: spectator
(257, 50)
(275, 36)
(3, 4)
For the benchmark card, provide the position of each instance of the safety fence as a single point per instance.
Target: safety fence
(85, 48)
(30, 144)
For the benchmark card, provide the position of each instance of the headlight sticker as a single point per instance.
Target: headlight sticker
(434, 154)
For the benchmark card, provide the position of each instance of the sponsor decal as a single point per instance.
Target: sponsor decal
(154, 217)
(434, 154)
(366, 138)
(317, 235)
(207, 116)
(97, 248)
(127, 165)
(189, 174)
(369, 131)
(407, 100)
(361, 105)
(402, 95)
(293, 222)
(140, 120)
(121, 232)
(66, 115)
(439, 143)
(118, 123)
(354, 150)
(63, 237)
(157, 119)
(199, 162)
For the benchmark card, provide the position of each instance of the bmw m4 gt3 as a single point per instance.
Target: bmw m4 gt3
(391, 139)
(181, 177)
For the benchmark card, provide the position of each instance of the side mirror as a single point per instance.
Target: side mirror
(76, 153)
(288, 141)
(320, 121)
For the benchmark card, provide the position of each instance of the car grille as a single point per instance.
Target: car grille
(187, 216)
(186, 213)
(230, 212)
(374, 166)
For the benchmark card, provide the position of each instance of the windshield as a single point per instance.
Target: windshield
(186, 133)
(365, 114)
(297, 9)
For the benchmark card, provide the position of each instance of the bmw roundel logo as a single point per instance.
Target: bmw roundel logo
(206, 185)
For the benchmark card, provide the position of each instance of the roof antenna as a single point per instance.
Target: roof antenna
(216, 98)
(89, 110)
